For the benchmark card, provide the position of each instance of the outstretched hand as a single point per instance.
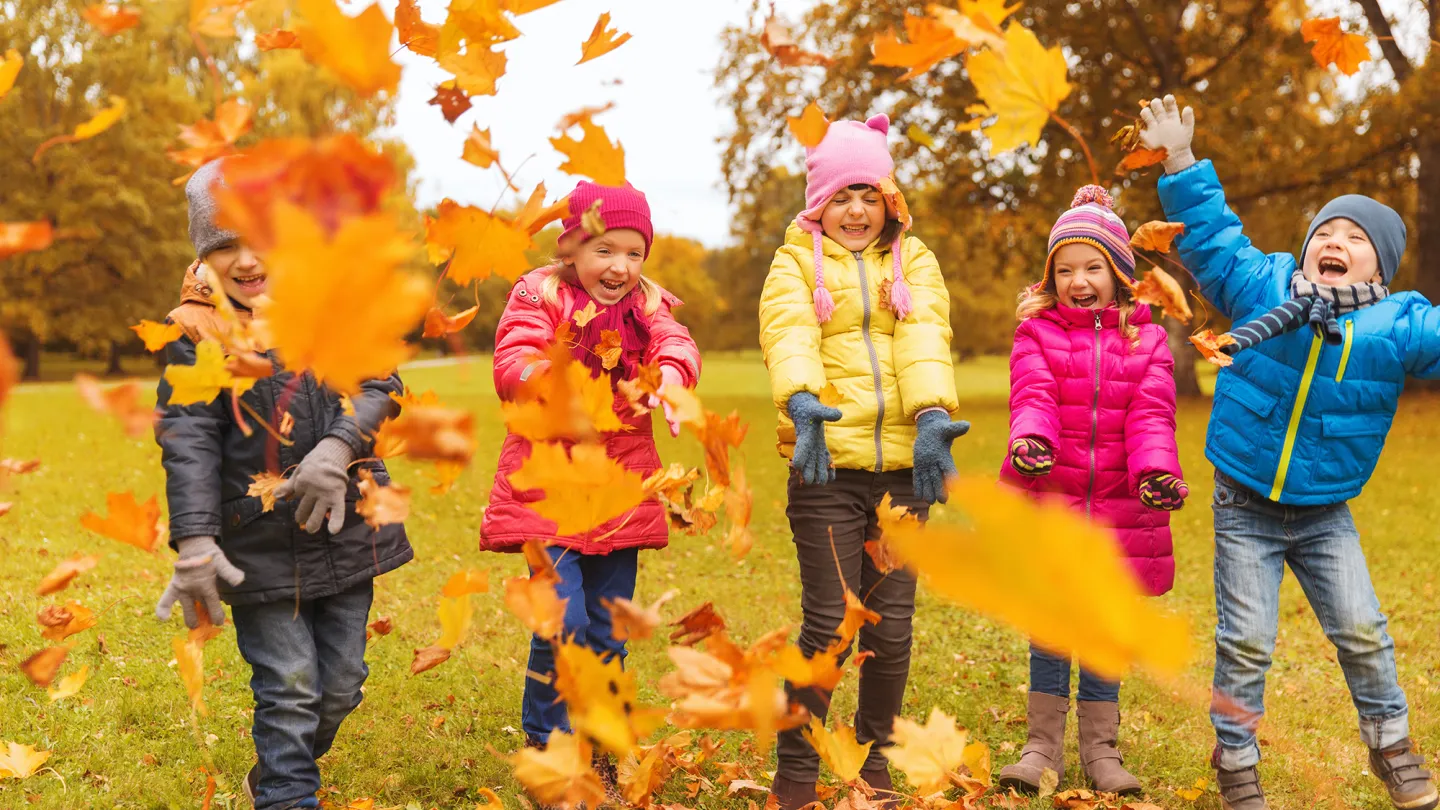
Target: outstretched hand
(1168, 127)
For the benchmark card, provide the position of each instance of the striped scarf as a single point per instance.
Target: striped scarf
(1310, 303)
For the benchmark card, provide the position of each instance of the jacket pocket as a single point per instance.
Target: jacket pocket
(1352, 445)
(1242, 431)
(239, 513)
(1248, 395)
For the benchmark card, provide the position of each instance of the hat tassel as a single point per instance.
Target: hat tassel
(901, 303)
(824, 303)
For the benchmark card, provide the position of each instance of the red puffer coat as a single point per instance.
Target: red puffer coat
(527, 329)
(1108, 412)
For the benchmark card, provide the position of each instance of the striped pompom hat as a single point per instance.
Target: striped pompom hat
(1092, 220)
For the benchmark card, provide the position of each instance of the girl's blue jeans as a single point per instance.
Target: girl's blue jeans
(1050, 675)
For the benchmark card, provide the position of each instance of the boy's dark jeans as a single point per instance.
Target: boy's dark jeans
(845, 510)
(307, 665)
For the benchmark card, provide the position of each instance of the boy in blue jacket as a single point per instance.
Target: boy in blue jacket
(1297, 425)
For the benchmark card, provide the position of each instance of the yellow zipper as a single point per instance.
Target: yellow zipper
(1345, 353)
(1295, 415)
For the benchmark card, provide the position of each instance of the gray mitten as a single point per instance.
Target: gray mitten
(319, 483)
(201, 560)
(812, 457)
(1168, 127)
(934, 466)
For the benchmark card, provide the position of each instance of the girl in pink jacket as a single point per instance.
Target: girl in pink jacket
(1092, 422)
(602, 273)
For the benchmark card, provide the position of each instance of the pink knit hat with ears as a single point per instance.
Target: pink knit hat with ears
(853, 153)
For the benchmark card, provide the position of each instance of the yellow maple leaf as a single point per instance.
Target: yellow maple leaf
(382, 505)
(1088, 602)
(481, 21)
(931, 42)
(471, 580)
(839, 750)
(356, 49)
(592, 156)
(420, 37)
(927, 754)
(9, 70)
(21, 761)
(1333, 46)
(69, 685)
(603, 40)
(445, 474)
(582, 490)
(478, 244)
(601, 698)
(609, 348)
(97, 124)
(1022, 87)
(455, 613)
(340, 308)
(560, 773)
(584, 316)
(204, 380)
(478, 149)
(477, 68)
(262, 486)
(130, 522)
(640, 778)
(568, 404)
(73, 618)
(976, 21)
(810, 126)
(977, 761)
(190, 664)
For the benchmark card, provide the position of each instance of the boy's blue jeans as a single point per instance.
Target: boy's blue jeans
(1254, 539)
(307, 665)
(1050, 675)
(585, 579)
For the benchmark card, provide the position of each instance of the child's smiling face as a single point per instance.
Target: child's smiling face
(240, 272)
(854, 217)
(1340, 253)
(608, 266)
(1083, 278)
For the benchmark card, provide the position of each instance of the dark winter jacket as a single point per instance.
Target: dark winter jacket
(209, 463)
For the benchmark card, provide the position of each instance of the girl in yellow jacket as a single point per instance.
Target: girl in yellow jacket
(851, 301)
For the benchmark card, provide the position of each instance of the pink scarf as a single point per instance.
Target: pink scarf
(626, 317)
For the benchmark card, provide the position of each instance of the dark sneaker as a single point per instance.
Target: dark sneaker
(1240, 790)
(1403, 772)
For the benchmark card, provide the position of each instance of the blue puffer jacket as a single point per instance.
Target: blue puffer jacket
(1294, 419)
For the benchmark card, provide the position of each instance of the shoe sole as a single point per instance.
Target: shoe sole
(1423, 803)
(1020, 785)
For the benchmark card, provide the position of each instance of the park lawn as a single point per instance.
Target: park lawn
(128, 739)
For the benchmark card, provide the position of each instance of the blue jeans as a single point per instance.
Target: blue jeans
(1050, 675)
(585, 579)
(307, 664)
(1254, 539)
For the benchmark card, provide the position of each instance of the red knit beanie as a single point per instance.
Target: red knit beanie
(620, 207)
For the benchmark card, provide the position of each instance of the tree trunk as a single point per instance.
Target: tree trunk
(114, 368)
(1427, 194)
(30, 356)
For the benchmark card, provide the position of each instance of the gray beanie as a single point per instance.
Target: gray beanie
(1380, 222)
(204, 233)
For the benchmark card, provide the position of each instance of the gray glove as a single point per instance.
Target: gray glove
(1167, 127)
(194, 581)
(812, 457)
(933, 463)
(319, 482)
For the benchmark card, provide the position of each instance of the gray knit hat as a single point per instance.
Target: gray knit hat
(1380, 222)
(204, 233)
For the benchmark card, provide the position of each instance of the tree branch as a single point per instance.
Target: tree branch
(1381, 26)
(1162, 65)
(1325, 177)
(1252, 24)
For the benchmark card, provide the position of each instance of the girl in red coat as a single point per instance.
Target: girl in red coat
(599, 564)
(1092, 423)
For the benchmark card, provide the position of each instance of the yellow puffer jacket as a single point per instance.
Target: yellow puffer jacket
(886, 371)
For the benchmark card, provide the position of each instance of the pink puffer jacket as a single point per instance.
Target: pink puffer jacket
(526, 331)
(1108, 411)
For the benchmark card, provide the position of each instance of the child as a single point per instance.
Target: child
(1092, 409)
(1297, 426)
(851, 302)
(600, 564)
(300, 600)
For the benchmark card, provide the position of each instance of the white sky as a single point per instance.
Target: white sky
(667, 113)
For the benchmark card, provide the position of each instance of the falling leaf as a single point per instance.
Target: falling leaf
(1160, 289)
(190, 664)
(278, 39)
(1022, 87)
(9, 366)
(777, 40)
(262, 486)
(477, 69)
(697, 625)
(42, 667)
(931, 42)
(631, 621)
(340, 308)
(445, 474)
(381, 626)
(670, 481)
(640, 778)
(215, 18)
(209, 139)
(204, 380)
(101, 121)
(433, 433)
(581, 491)
(739, 502)
(477, 243)
(592, 156)
(920, 136)
(9, 70)
(62, 623)
(24, 237)
(60, 578)
(356, 49)
(287, 424)
(129, 522)
(1333, 46)
(591, 221)
(535, 215)
(14, 466)
(583, 114)
(452, 101)
(427, 658)
(926, 754)
(1209, 345)
(471, 580)
(1141, 158)
(21, 761)
(1157, 236)
(69, 685)
(718, 436)
(157, 335)
(122, 401)
(382, 505)
(420, 37)
(838, 749)
(438, 324)
(1087, 603)
(478, 149)
(603, 40)
(454, 613)
(110, 20)
(810, 126)
(976, 21)
(560, 773)
(5, 507)
(601, 698)
(533, 598)
(609, 348)
(583, 317)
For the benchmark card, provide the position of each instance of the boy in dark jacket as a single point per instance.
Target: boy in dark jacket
(1321, 354)
(300, 598)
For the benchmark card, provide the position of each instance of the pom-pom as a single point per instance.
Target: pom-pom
(824, 305)
(1093, 194)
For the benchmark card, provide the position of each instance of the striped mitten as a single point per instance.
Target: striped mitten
(1164, 492)
(1031, 457)
(1292, 314)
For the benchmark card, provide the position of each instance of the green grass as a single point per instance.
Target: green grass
(127, 740)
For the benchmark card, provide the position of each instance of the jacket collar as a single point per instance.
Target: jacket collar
(1076, 318)
(795, 235)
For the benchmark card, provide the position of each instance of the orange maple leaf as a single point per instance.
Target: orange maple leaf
(592, 156)
(60, 578)
(42, 667)
(810, 126)
(62, 623)
(1157, 236)
(1209, 345)
(420, 37)
(477, 69)
(97, 124)
(263, 485)
(535, 215)
(382, 505)
(583, 114)
(129, 522)
(433, 433)
(210, 139)
(697, 625)
(1333, 46)
(478, 149)
(1160, 289)
(451, 100)
(631, 621)
(9, 70)
(477, 244)
(445, 474)
(190, 665)
(111, 20)
(560, 774)
(931, 42)
(215, 18)
(157, 335)
(582, 490)
(471, 580)
(779, 43)
(438, 324)
(532, 598)
(609, 348)
(1141, 158)
(603, 40)
(14, 466)
(565, 403)
(278, 39)
(24, 237)
(356, 49)
(382, 626)
(739, 502)
(718, 436)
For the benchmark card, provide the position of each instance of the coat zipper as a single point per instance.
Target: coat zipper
(1315, 345)
(1345, 353)
(874, 365)
(1094, 421)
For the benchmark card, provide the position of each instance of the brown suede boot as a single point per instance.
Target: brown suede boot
(1045, 747)
(1400, 767)
(1099, 726)
(793, 795)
